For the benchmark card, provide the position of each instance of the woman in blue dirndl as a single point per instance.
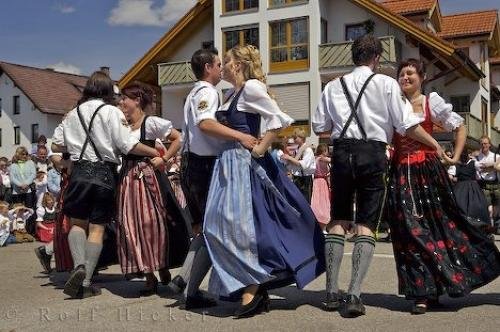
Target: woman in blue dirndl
(260, 231)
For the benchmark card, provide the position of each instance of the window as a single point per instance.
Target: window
(484, 115)
(229, 6)
(248, 36)
(34, 133)
(289, 45)
(353, 31)
(0, 107)
(16, 105)
(0, 137)
(278, 3)
(324, 31)
(461, 104)
(17, 135)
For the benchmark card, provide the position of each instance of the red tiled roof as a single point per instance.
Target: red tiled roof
(405, 7)
(466, 24)
(51, 91)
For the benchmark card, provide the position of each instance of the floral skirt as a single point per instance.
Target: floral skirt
(437, 249)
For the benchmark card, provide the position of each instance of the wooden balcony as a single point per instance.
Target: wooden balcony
(338, 55)
(174, 73)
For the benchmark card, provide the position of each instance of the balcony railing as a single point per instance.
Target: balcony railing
(173, 73)
(334, 55)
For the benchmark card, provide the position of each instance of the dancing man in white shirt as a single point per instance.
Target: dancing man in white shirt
(360, 111)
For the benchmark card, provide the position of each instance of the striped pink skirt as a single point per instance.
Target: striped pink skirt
(142, 232)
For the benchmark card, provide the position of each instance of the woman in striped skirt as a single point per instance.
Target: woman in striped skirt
(143, 218)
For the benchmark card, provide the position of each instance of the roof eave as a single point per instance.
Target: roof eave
(165, 40)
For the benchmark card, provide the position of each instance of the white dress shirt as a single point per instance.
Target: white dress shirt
(201, 104)
(490, 175)
(110, 133)
(156, 127)
(382, 108)
(307, 162)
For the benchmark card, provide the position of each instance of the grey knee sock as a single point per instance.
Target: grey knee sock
(92, 253)
(362, 255)
(201, 265)
(77, 240)
(188, 262)
(334, 251)
(49, 248)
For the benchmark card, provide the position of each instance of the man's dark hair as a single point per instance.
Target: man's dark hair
(200, 58)
(365, 49)
(99, 86)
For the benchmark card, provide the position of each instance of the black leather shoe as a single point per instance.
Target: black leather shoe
(75, 281)
(88, 291)
(198, 301)
(165, 276)
(44, 258)
(149, 290)
(419, 308)
(177, 285)
(353, 306)
(254, 307)
(333, 301)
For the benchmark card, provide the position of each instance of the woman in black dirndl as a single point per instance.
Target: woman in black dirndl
(437, 250)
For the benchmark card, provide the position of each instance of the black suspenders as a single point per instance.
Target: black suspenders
(354, 106)
(87, 131)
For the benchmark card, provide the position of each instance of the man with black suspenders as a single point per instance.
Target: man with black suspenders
(203, 138)
(360, 110)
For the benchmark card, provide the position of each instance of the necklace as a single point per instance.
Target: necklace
(137, 123)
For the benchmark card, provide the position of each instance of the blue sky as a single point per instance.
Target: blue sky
(82, 35)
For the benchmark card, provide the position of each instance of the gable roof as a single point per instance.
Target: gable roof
(188, 23)
(50, 91)
(408, 7)
(468, 24)
(457, 58)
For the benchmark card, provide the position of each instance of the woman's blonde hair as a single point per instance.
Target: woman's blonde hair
(19, 151)
(249, 57)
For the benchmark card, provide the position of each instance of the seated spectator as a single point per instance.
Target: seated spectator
(54, 181)
(42, 141)
(5, 225)
(19, 216)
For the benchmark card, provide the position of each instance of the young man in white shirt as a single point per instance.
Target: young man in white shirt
(202, 138)
(360, 111)
(92, 135)
(302, 165)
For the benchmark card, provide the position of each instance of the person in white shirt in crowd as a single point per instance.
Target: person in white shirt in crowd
(5, 187)
(5, 225)
(41, 186)
(41, 160)
(360, 111)
(92, 135)
(303, 165)
(486, 163)
(54, 181)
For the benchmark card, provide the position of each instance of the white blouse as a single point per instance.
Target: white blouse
(255, 99)
(441, 113)
(156, 127)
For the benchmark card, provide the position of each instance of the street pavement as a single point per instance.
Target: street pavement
(33, 301)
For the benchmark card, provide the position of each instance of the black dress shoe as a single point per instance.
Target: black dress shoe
(198, 301)
(149, 290)
(353, 306)
(165, 276)
(333, 301)
(419, 308)
(177, 285)
(254, 307)
(75, 281)
(44, 258)
(88, 291)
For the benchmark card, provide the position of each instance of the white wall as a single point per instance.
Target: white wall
(173, 104)
(28, 115)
